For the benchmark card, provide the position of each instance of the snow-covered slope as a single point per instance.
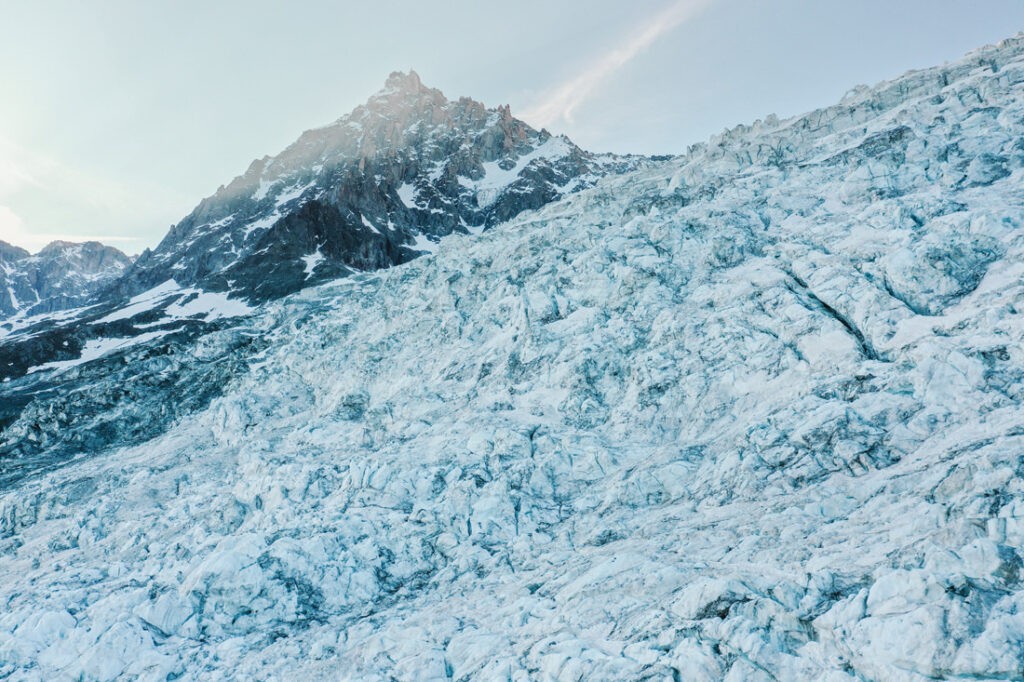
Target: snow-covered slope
(61, 276)
(755, 413)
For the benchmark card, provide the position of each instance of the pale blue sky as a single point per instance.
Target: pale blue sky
(117, 117)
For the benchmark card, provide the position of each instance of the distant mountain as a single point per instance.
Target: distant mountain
(62, 275)
(374, 189)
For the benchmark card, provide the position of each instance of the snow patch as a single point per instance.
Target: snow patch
(422, 243)
(496, 179)
(97, 348)
(407, 193)
(212, 305)
(261, 224)
(370, 225)
(312, 261)
(262, 189)
(292, 193)
(147, 300)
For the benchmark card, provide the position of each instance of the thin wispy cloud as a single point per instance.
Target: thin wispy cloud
(14, 176)
(24, 169)
(561, 103)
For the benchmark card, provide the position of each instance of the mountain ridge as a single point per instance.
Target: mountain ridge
(377, 186)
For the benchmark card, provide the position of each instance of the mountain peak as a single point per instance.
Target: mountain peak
(9, 251)
(61, 275)
(399, 80)
(404, 95)
(375, 188)
(59, 246)
(404, 86)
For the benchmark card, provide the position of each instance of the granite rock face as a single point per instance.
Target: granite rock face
(62, 275)
(753, 413)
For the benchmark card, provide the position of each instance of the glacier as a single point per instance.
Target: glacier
(751, 413)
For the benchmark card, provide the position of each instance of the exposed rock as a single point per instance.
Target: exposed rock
(375, 188)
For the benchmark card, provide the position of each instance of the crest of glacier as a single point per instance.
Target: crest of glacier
(753, 413)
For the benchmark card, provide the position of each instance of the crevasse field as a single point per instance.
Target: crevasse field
(754, 413)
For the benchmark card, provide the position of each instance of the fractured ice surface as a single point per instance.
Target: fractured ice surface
(753, 414)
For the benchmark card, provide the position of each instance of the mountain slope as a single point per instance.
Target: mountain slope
(62, 275)
(754, 413)
(374, 189)
(371, 190)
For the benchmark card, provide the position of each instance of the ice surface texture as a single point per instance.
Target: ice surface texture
(753, 414)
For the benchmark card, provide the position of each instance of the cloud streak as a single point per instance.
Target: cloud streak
(561, 103)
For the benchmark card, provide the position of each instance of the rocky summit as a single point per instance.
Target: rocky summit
(755, 412)
(373, 189)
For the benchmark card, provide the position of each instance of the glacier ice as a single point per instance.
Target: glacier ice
(754, 413)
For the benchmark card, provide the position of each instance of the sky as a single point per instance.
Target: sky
(117, 117)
